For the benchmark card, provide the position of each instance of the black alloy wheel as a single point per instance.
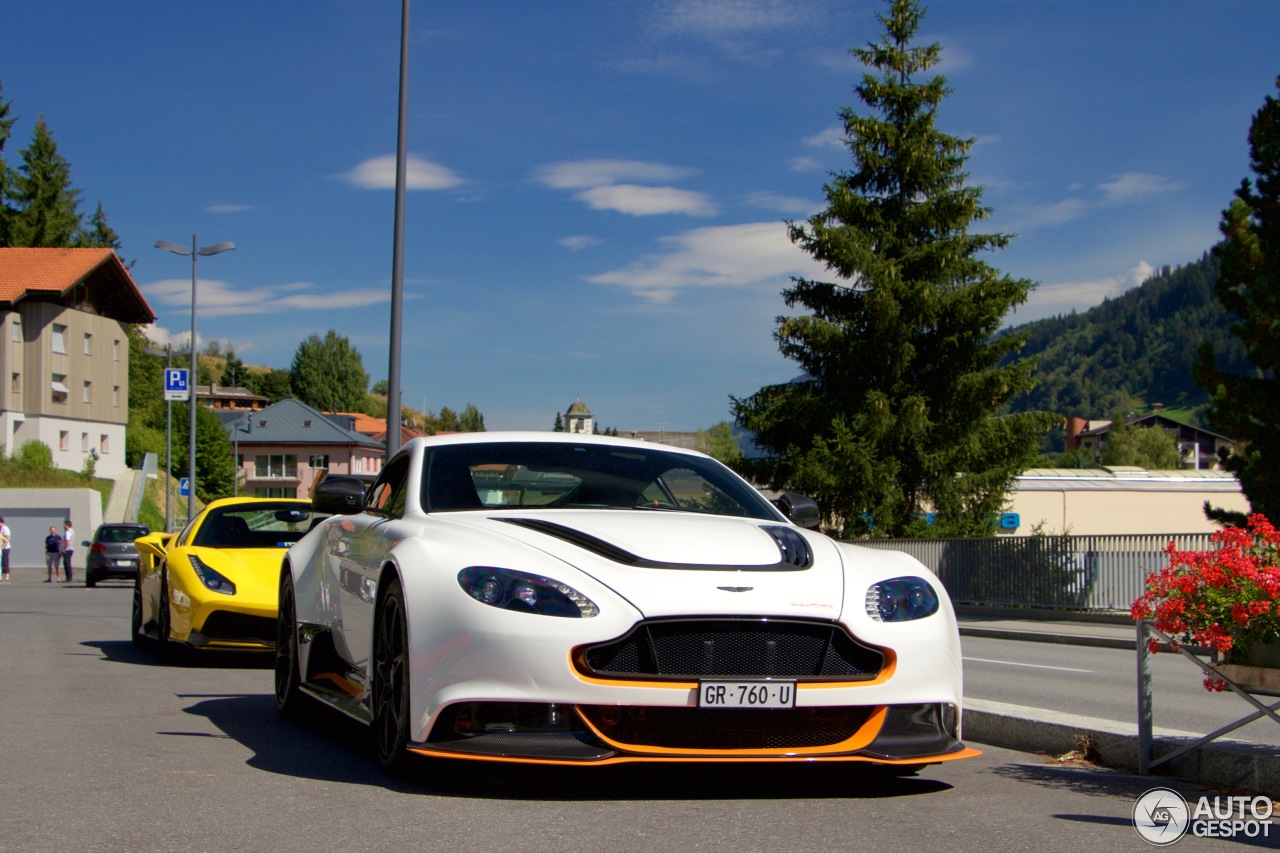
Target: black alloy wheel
(289, 698)
(391, 682)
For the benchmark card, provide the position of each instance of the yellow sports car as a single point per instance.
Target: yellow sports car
(214, 584)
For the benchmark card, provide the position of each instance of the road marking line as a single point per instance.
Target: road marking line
(1032, 665)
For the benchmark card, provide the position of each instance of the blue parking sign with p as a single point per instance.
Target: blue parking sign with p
(175, 384)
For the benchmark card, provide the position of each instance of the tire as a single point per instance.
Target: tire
(135, 620)
(289, 699)
(90, 581)
(391, 682)
(164, 628)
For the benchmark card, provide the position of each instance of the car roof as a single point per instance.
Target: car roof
(545, 438)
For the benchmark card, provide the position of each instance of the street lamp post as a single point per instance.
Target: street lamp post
(216, 248)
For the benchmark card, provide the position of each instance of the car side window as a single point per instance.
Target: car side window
(390, 492)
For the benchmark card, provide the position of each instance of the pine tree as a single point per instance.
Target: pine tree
(46, 207)
(100, 235)
(6, 174)
(896, 414)
(1247, 407)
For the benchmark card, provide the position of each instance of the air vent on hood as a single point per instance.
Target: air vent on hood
(794, 547)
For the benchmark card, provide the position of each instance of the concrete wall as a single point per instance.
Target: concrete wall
(30, 512)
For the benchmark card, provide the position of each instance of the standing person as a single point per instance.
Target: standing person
(53, 554)
(4, 554)
(68, 538)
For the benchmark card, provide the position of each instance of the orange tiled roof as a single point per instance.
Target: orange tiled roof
(53, 272)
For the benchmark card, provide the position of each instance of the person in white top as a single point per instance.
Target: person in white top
(4, 554)
(68, 537)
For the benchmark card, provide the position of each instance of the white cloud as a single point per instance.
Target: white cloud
(831, 137)
(379, 173)
(578, 242)
(790, 205)
(1050, 300)
(611, 185)
(720, 18)
(219, 299)
(1133, 187)
(230, 208)
(584, 174)
(647, 201)
(716, 256)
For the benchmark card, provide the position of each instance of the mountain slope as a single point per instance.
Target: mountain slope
(1134, 350)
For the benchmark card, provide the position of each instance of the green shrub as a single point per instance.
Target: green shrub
(37, 454)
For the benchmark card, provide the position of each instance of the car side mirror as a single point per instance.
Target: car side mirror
(799, 510)
(338, 496)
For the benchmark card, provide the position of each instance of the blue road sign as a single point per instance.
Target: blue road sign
(184, 487)
(175, 384)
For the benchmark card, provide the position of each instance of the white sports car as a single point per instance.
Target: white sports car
(568, 599)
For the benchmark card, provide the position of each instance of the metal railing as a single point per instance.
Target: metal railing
(1064, 572)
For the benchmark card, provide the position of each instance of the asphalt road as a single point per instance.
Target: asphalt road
(1102, 683)
(105, 749)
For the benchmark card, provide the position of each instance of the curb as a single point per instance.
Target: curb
(1046, 637)
(1224, 764)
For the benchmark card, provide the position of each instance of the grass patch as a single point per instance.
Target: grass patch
(20, 474)
(151, 510)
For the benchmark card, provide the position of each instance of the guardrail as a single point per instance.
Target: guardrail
(1064, 572)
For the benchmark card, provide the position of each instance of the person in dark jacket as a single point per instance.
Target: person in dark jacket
(53, 554)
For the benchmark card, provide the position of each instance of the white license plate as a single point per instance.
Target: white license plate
(125, 563)
(746, 694)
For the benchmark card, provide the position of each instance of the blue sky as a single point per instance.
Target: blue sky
(598, 189)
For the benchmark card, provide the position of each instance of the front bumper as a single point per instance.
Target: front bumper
(595, 735)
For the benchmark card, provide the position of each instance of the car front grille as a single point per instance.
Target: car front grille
(733, 648)
(225, 626)
(726, 729)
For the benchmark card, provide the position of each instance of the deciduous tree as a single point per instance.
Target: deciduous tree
(328, 374)
(897, 412)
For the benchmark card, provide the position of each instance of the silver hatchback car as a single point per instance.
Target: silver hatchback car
(112, 553)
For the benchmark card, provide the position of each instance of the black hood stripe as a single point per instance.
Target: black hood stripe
(613, 553)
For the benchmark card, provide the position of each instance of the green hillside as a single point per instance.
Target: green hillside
(1134, 350)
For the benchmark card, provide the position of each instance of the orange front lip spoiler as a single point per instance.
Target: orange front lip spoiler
(425, 749)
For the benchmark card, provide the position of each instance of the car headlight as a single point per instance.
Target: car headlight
(210, 578)
(512, 590)
(901, 600)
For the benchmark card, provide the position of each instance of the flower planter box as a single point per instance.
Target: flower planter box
(1253, 679)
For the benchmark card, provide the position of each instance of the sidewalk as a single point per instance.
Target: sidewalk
(1224, 763)
(1099, 634)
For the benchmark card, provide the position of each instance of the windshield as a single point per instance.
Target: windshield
(258, 525)
(515, 475)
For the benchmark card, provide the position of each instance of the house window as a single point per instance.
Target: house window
(275, 465)
(17, 330)
(318, 461)
(88, 387)
(115, 396)
(15, 383)
(59, 388)
(59, 338)
(104, 445)
(64, 440)
(115, 350)
(275, 493)
(84, 442)
(88, 344)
